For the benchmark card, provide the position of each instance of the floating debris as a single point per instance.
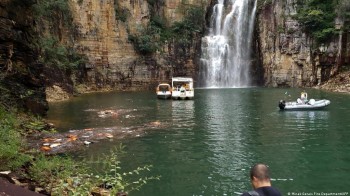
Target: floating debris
(45, 148)
(72, 137)
(5, 172)
(108, 135)
(91, 110)
(48, 139)
(106, 113)
(54, 145)
(155, 123)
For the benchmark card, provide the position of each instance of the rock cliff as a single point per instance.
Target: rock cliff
(104, 29)
(288, 56)
(21, 80)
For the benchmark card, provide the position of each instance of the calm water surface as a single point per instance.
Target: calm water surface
(208, 144)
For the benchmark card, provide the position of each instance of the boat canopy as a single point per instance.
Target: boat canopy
(163, 87)
(180, 81)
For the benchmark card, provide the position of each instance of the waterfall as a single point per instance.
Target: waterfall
(226, 50)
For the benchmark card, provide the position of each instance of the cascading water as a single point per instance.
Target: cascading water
(226, 51)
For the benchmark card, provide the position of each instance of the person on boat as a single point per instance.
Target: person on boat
(182, 89)
(303, 97)
(260, 179)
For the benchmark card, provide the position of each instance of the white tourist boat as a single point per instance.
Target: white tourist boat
(303, 103)
(182, 88)
(163, 91)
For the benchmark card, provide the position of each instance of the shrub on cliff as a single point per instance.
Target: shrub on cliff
(57, 12)
(317, 18)
(150, 39)
(53, 53)
(54, 18)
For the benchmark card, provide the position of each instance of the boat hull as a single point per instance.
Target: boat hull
(311, 105)
(182, 95)
(164, 95)
(163, 91)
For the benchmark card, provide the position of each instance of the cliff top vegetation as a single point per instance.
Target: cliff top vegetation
(318, 17)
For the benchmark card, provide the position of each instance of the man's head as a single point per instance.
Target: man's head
(260, 175)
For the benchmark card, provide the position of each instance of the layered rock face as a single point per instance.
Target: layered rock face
(286, 53)
(103, 38)
(21, 81)
(285, 50)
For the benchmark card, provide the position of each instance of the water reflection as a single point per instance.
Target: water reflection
(307, 115)
(224, 122)
(306, 120)
(183, 113)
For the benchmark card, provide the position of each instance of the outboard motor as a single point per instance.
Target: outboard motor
(282, 104)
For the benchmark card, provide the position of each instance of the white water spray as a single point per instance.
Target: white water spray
(226, 51)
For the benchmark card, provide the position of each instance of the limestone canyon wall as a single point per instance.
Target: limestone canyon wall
(103, 38)
(286, 53)
(21, 80)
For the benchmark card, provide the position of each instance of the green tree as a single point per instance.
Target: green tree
(317, 18)
(151, 38)
(53, 10)
(344, 11)
(55, 18)
(53, 53)
(185, 30)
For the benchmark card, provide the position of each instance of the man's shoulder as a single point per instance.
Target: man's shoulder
(250, 193)
(268, 191)
(245, 194)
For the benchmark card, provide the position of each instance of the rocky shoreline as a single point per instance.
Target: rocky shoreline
(339, 83)
(56, 93)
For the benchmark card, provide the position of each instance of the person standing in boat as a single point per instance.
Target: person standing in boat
(303, 97)
(260, 179)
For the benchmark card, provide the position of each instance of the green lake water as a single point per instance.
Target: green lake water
(208, 144)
